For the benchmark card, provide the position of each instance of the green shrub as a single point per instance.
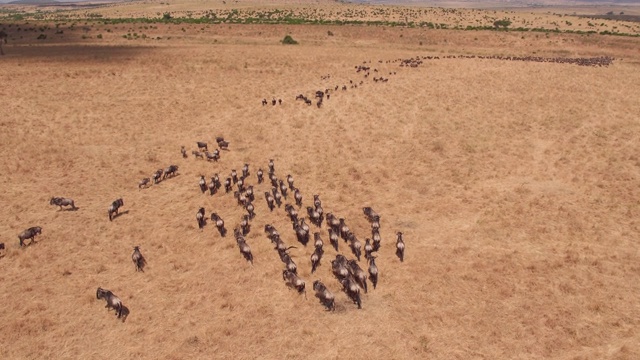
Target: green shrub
(288, 40)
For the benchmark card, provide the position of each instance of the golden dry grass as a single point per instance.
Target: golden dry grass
(515, 183)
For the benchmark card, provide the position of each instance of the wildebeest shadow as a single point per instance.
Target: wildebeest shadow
(119, 214)
(69, 209)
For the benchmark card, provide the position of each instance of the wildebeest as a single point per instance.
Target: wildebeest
(222, 144)
(245, 170)
(333, 238)
(197, 154)
(272, 167)
(214, 156)
(368, 248)
(30, 233)
(200, 218)
(302, 232)
(293, 281)
(400, 246)
(283, 189)
(171, 170)
(375, 236)
(219, 224)
(339, 267)
(333, 223)
(157, 175)
(113, 302)
(138, 259)
(227, 185)
(245, 250)
(234, 176)
(203, 184)
(298, 196)
(183, 151)
(373, 271)
(355, 245)
(114, 208)
(314, 216)
(358, 274)
(277, 196)
(317, 240)
(270, 200)
(316, 201)
(2, 252)
(202, 145)
(290, 182)
(245, 225)
(369, 213)
(61, 201)
(326, 297)
(260, 176)
(264, 102)
(351, 288)
(144, 183)
(315, 258)
(250, 210)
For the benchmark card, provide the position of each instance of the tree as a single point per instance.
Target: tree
(288, 40)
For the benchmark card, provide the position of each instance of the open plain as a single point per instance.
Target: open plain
(516, 185)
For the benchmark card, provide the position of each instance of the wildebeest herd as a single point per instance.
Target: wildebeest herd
(348, 273)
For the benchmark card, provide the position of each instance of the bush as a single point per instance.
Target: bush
(288, 40)
(502, 23)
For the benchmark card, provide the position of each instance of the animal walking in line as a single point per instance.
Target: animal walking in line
(61, 201)
(138, 259)
(326, 297)
(113, 209)
(400, 246)
(113, 302)
(30, 233)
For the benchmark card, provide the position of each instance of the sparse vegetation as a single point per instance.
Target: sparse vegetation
(288, 40)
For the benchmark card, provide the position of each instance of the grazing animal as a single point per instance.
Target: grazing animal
(223, 145)
(260, 176)
(270, 200)
(283, 189)
(200, 218)
(245, 250)
(245, 225)
(272, 167)
(344, 230)
(292, 213)
(370, 214)
(203, 184)
(202, 145)
(375, 235)
(113, 302)
(197, 154)
(227, 185)
(170, 171)
(317, 241)
(234, 176)
(358, 274)
(339, 267)
(30, 233)
(314, 216)
(351, 288)
(400, 246)
(290, 182)
(60, 201)
(277, 196)
(373, 271)
(333, 223)
(356, 246)
(138, 259)
(219, 224)
(250, 209)
(315, 258)
(302, 232)
(326, 297)
(114, 208)
(298, 196)
(333, 238)
(293, 281)
(245, 171)
(316, 201)
(368, 248)
(144, 183)
(183, 151)
(157, 176)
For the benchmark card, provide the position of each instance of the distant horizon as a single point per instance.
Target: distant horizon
(389, 2)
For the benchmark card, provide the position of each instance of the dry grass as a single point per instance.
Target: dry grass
(516, 185)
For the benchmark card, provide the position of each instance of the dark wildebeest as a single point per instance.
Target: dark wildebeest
(197, 154)
(326, 297)
(114, 208)
(283, 188)
(245, 170)
(144, 183)
(61, 201)
(250, 210)
(219, 224)
(245, 250)
(234, 176)
(373, 271)
(245, 225)
(2, 252)
(203, 184)
(260, 176)
(358, 274)
(339, 267)
(333, 223)
(370, 214)
(314, 216)
(30, 233)
(351, 288)
(355, 245)
(200, 218)
(157, 175)
(298, 196)
(293, 281)
(227, 185)
(264, 102)
(400, 246)
(368, 248)
(302, 232)
(112, 300)
(315, 258)
(272, 168)
(270, 200)
(277, 196)
(170, 171)
(333, 238)
(138, 259)
(202, 145)
(375, 236)
(290, 182)
(183, 151)
(223, 145)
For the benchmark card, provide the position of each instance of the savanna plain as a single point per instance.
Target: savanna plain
(516, 185)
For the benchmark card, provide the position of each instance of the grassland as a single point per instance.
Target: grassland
(515, 184)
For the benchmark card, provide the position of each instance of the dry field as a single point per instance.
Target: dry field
(516, 185)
